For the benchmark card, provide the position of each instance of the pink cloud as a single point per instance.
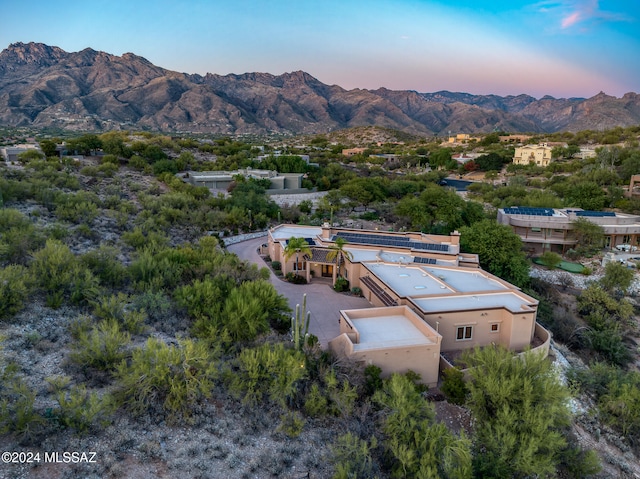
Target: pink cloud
(571, 20)
(587, 11)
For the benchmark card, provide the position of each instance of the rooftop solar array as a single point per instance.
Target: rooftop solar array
(525, 210)
(595, 214)
(418, 259)
(310, 241)
(389, 240)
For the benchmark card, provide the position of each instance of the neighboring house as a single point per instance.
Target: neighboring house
(539, 155)
(463, 158)
(459, 138)
(431, 302)
(353, 151)
(221, 180)
(10, 153)
(585, 153)
(514, 138)
(634, 187)
(549, 229)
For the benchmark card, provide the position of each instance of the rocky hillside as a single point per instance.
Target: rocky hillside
(42, 85)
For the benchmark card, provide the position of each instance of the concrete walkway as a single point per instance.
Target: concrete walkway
(323, 302)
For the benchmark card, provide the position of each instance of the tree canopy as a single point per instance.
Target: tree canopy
(499, 250)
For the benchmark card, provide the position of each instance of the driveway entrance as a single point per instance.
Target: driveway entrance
(323, 302)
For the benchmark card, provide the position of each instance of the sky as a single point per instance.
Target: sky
(562, 48)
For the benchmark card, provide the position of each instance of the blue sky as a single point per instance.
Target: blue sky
(563, 48)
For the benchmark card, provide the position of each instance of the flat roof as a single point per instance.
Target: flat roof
(387, 331)
(409, 281)
(509, 300)
(286, 232)
(466, 281)
(419, 280)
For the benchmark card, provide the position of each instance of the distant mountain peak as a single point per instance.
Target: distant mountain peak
(31, 53)
(42, 85)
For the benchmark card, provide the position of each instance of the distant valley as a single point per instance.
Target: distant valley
(44, 86)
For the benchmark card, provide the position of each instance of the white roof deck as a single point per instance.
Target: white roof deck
(285, 232)
(409, 281)
(466, 281)
(419, 280)
(387, 331)
(510, 300)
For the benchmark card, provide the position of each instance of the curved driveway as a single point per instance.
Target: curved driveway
(324, 303)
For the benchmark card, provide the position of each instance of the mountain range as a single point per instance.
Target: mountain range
(45, 86)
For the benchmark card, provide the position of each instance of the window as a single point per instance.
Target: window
(299, 266)
(536, 230)
(464, 333)
(495, 327)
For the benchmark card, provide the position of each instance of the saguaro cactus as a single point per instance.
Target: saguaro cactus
(300, 324)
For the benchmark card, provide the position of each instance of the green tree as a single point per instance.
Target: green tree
(295, 246)
(587, 195)
(617, 277)
(499, 250)
(519, 408)
(172, 376)
(589, 236)
(418, 446)
(48, 147)
(550, 259)
(440, 158)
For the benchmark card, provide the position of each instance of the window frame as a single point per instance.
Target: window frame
(467, 333)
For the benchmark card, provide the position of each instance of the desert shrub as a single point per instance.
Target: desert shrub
(342, 396)
(453, 386)
(294, 278)
(372, 379)
(417, 446)
(550, 259)
(18, 237)
(17, 412)
(57, 271)
(15, 287)
(267, 372)
(110, 159)
(204, 299)
(81, 207)
(157, 304)
(104, 263)
(137, 162)
(164, 166)
(356, 291)
(173, 376)
(352, 457)
(103, 347)
(81, 410)
(244, 316)
(291, 423)
(341, 284)
(609, 344)
(276, 265)
(316, 404)
(107, 170)
(115, 307)
(139, 239)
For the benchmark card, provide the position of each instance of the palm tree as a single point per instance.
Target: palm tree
(295, 246)
(339, 253)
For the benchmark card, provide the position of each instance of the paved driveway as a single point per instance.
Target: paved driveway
(324, 303)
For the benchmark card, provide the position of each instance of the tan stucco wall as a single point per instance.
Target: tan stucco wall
(511, 334)
(424, 359)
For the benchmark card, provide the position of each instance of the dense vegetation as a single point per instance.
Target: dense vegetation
(158, 319)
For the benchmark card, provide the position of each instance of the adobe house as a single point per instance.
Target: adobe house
(430, 301)
(393, 338)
